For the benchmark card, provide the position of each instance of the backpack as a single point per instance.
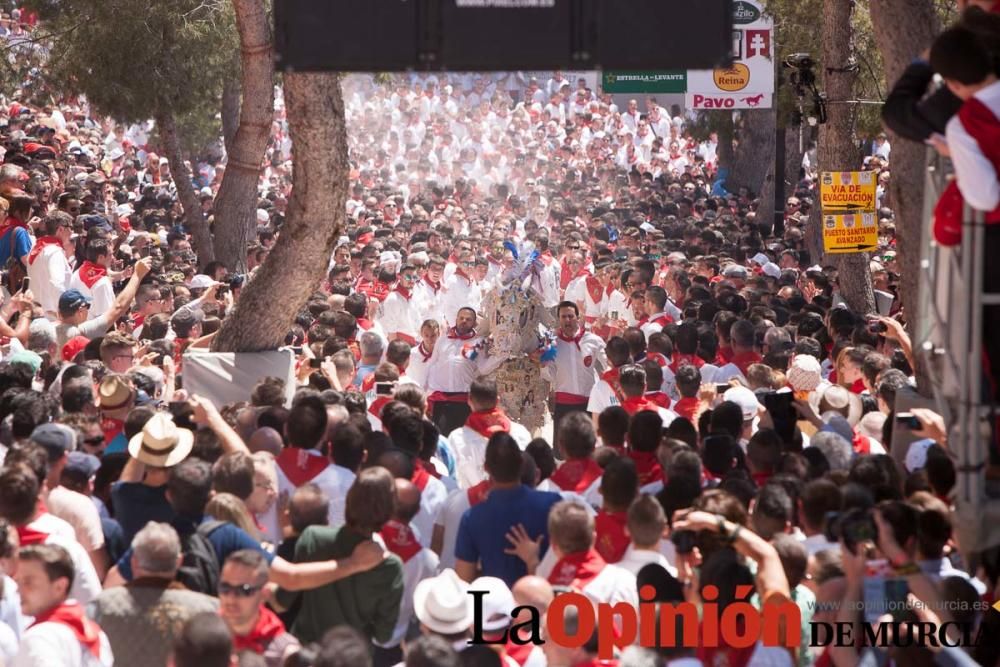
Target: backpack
(200, 567)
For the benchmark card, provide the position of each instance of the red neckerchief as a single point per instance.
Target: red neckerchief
(299, 465)
(426, 356)
(594, 289)
(547, 258)
(613, 380)
(660, 359)
(42, 243)
(454, 335)
(662, 319)
(689, 359)
(743, 360)
(402, 291)
(488, 422)
(659, 397)
(365, 323)
(71, 615)
(576, 475)
(577, 570)
(362, 285)
(264, 631)
(420, 475)
(379, 290)
(111, 427)
(643, 321)
(687, 407)
(647, 465)
(862, 443)
(494, 262)
(12, 222)
(477, 494)
(31, 535)
(725, 353)
(399, 539)
(90, 273)
(858, 387)
(612, 540)
(519, 653)
(575, 339)
(376, 407)
(636, 404)
(570, 278)
(462, 274)
(760, 478)
(352, 345)
(433, 286)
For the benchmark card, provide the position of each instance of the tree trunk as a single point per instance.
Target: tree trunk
(200, 234)
(726, 132)
(754, 157)
(903, 28)
(297, 263)
(236, 203)
(838, 150)
(230, 112)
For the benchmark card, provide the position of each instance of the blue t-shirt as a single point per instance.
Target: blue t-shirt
(483, 529)
(22, 244)
(136, 504)
(225, 539)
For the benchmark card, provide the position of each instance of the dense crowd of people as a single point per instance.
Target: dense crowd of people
(719, 424)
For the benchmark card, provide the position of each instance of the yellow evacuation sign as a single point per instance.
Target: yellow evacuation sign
(857, 232)
(847, 191)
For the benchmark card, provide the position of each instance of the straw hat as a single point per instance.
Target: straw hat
(161, 443)
(114, 393)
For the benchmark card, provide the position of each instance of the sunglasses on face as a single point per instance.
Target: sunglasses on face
(242, 590)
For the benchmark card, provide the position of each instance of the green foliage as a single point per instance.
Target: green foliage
(132, 58)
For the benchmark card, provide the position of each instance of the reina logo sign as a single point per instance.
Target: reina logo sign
(744, 12)
(732, 79)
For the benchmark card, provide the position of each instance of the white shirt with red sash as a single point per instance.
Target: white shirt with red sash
(460, 291)
(433, 493)
(573, 371)
(451, 514)
(64, 636)
(596, 298)
(92, 280)
(420, 358)
(50, 273)
(468, 444)
(398, 315)
(426, 301)
(600, 581)
(419, 563)
(50, 529)
(453, 366)
(655, 323)
(576, 289)
(607, 392)
(298, 466)
(577, 479)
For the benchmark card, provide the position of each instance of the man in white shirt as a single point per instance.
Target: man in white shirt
(92, 279)
(398, 313)
(646, 522)
(578, 565)
(468, 444)
(61, 634)
(461, 289)
(428, 293)
(573, 370)
(419, 562)
(450, 372)
(48, 267)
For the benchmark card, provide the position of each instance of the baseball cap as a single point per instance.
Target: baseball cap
(73, 347)
(187, 316)
(72, 300)
(735, 271)
(81, 466)
(201, 281)
(744, 398)
(56, 439)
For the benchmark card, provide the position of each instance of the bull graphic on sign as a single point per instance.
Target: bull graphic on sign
(753, 101)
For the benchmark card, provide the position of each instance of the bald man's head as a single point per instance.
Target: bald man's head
(265, 439)
(533, 591)
(309, 506)
(407, 500)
